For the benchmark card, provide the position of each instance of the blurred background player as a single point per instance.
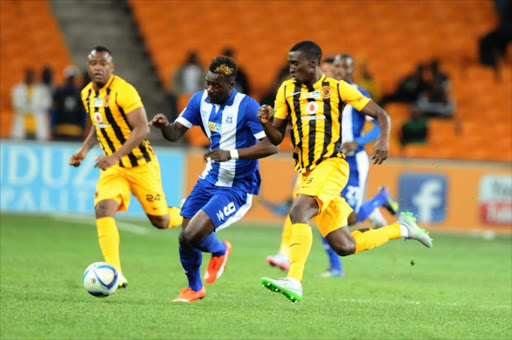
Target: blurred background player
(31, 102)
(353, 142)
(223, 193)
(129, 164)
(321, 165)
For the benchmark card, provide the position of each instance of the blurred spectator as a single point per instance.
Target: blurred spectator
(414, 130)
(366, 81)
(328, 67)
(241, 80)
(409, 89)
(86, 78)
(493, 46)
(189, 78)
(439, 75)
(47, 79)
(31, 103)
(435, 102)
(269, 97)
(69, 121)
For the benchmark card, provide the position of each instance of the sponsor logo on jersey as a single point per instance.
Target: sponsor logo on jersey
(308, 95)
(215, 126)
(312, 108)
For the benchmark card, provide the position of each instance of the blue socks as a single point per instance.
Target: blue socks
(211, 244)
(367, 207)
(191, 260)
(334, 259)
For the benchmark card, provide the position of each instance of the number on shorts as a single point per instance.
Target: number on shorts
(229, 209)
(151, 198)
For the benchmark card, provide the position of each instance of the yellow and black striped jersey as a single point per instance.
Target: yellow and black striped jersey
(315, 114)
(108, 109)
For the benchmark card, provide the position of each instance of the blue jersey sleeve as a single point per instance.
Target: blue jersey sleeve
(370, 136)
(192, 112)
(252, 118)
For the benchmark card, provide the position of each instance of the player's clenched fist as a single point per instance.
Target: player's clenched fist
(159, 121)
(77, 158)
(264, 113)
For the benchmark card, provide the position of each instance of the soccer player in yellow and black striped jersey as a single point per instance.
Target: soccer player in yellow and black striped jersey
(313, 103)
(129, 164)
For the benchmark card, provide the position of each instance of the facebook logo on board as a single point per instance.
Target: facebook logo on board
(424, 195)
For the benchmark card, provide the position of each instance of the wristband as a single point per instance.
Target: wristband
(234, 154)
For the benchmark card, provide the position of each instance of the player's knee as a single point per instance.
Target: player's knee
(192, 237)
(102, 210)
(160, 222)
(182, 240)
(345, 248)
(352, 218)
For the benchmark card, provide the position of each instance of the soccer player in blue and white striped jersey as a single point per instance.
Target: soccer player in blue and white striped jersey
(224, 191)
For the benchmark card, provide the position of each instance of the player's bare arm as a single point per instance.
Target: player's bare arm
(381, 148)
(275, 130)
(138, 121)
(263, 149)
(171, 132)
(91, 140)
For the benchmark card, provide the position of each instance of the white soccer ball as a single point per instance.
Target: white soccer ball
(101, 279)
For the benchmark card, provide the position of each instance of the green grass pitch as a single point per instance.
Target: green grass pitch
(460, 289)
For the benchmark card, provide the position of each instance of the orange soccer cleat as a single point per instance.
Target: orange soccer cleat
(217, 265)
(189, 295)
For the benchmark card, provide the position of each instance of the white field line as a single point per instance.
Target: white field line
(444, 304)
(90, 221)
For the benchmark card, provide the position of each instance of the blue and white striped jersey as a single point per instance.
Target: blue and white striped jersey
(353, 123)
(233, 125)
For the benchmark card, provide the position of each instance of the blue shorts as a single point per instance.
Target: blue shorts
(224, 205)
(353, 192)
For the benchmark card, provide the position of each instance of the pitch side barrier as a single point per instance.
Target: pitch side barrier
(444, 195)
(36, 178)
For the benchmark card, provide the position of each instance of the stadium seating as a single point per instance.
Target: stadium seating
(30, 37)
(392, 38)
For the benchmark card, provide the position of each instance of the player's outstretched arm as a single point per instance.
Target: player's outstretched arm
(381, 148)
(91, 140)
(274, 130)
(171, 132)
(263, 149)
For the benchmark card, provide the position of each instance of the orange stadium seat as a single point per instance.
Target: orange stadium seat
(47, 47)
(425, 29)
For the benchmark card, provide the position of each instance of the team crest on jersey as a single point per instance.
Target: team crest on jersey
(106, 101)
(308, 95)
(215, 127)
(326, 92)
(311, 108)
(229, 119)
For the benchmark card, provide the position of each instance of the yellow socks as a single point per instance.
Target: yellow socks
(287, 237)
(174, 217)
(300, 245)
(108, 236)
(375, 237)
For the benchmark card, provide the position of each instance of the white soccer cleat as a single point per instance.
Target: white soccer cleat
(280, 260)
(414, 232)
(289, 287)
(122, 282)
